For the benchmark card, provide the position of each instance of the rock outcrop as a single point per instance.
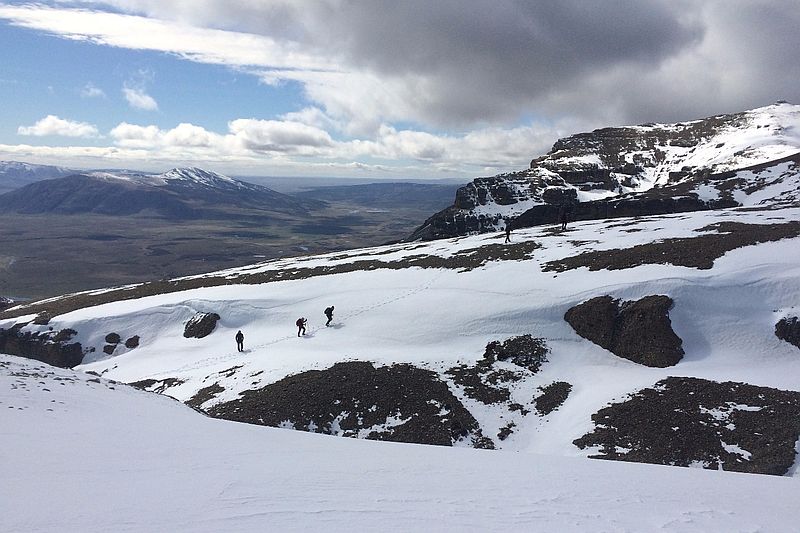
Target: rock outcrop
(788, 329)
(53, 348)
(695, 422)
(640, 330)
(400, 403)
(200, 325)
(636, 171)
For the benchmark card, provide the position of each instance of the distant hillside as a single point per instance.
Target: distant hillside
(386, 195)
(15, 174)
(186, 193)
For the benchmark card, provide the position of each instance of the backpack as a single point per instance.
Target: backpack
(329, 311)
(299, 322)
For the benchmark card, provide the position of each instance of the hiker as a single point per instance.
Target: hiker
(508, 231)
(301, 326)
(329, 314)
(240, 341)
(563, 216)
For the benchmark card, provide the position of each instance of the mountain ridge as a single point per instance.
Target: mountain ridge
(180, 193)
(630, 164)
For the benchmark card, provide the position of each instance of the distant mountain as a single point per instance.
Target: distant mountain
(746, 158)
(14, 174)
(385, 195)
(181, 193)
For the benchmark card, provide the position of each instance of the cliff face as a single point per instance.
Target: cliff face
(720, 161)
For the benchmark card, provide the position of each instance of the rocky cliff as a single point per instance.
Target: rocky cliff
(747, 158)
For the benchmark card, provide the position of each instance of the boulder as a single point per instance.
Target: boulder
(113, 338)
(200, 325)
(132, 342)
(640, 330)
(788, 329)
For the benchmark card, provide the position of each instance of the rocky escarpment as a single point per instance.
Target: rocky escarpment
(51, 347)
(696, 422)
(713, 163)
(400, 403)
(639, 330)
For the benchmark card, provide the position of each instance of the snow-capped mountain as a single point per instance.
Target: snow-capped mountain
(15, 174)
(730, 159)
(179, 193)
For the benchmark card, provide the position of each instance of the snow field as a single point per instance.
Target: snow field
(124, 460)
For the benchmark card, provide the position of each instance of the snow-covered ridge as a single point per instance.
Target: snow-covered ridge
(618, 161)
(191, 176)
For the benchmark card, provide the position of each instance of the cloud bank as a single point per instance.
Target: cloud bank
(428, 81)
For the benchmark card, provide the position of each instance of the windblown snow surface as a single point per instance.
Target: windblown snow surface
(85, 454)
(123, 459)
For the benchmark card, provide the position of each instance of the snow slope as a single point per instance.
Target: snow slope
(85, 454)
(436, 318)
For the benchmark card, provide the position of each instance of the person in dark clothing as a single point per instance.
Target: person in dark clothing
(240, 341)
(329, 314)
(508, 231)
(563, 216)
(301, 326)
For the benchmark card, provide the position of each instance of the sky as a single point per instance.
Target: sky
(378, 88)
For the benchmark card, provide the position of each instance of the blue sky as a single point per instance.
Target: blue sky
(370, 89)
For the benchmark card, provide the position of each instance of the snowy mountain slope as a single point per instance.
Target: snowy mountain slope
(632, 163)
(85, 454)
(732, 275)
(15, 174)
(179, 193)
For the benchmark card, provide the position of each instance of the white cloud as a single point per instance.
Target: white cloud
(131, 135)
(53, 125)
(139, 99)
(279, 136)
(91, 91)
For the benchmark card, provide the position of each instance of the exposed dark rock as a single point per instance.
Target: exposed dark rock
(42, 346)
(132, 342)
(640, 330)
(200, 325)
(506, 431)
(525, 351)
(43, 318)
(5, 303)
(474, 379)
(109, 348)
(698, 252)
(113, 338)
(690, 421)
(64, 335)
(485, 383)
(553, 396)
(157, 385)
(788, 329)
(399, 403)
(204, 394)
